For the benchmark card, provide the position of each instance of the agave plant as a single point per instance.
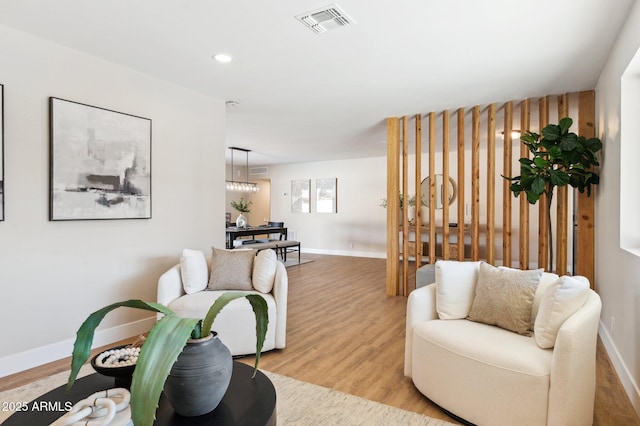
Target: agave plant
(162, 346)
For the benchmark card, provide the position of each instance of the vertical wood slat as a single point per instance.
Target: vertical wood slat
(393, 186)
(418, 212)
(585, 230)
(543, 222)
(461, 198)
(405, 205)
(585, 205)
(432, 186)
(562, 206)
(475, 184)
(506, 193)
(491, 183)
(524, 204)
(445, 185)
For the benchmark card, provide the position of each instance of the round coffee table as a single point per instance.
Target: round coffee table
(247, 402)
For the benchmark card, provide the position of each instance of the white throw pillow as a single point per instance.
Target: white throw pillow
(547, 279)
(194, 271)
(455, 288)
(560, 300)
(264, 270)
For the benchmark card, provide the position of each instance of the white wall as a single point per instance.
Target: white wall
(617, 270)
(359, 226)
(53, 274)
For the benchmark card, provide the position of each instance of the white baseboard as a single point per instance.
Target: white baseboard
(628, 382)
(44, 354)
(345, 253)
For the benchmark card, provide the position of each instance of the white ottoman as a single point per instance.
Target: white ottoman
(425, 275)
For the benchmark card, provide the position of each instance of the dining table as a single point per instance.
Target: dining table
(235, 232)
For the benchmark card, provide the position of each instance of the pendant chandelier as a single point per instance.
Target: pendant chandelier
(238, 186)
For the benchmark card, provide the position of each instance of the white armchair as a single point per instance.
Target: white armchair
(235, 325)
(491, 376)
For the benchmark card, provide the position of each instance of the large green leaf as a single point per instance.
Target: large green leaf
(538, 185)
(532, 197)
(84, 336)
(260, 309)
(217, 306)
(559, 178)
(551, 132)
(569, 142)
(529, 138)
(160, 350)
(564, 124)
(259, 306)
(540, 162)
(594, 144)
(555, 152)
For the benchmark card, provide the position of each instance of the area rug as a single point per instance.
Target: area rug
(298, 404)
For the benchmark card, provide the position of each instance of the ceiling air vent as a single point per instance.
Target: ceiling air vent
(325, 19)
(258, 171)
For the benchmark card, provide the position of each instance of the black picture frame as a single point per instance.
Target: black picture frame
(1, 153)
(100, 163)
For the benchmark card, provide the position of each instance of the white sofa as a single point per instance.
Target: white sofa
(487, 375)
(235, 325)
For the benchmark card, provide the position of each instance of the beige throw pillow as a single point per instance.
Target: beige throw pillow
(231, 269)
(504, 297)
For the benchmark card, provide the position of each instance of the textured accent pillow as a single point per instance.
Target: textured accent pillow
(504, 297)
(231, 269)
(455, 288)
(264, 270)
(194, 271)
(560, 300)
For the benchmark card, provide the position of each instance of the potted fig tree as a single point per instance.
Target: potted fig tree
(558, 158)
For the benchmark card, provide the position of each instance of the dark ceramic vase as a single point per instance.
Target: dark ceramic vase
(200, 377)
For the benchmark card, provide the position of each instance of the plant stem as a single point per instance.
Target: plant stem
(549, 199)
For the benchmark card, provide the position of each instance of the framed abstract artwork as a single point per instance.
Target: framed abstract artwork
(100, 163)
(1, 152)
(326, 195)
(301, 196)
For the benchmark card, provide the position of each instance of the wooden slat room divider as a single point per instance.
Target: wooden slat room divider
(472, 229)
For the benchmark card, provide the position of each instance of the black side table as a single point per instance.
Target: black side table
(247, 402)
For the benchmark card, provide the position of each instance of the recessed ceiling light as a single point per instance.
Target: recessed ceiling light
(222, 57)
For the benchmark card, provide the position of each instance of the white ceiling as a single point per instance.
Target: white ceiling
(307, 97)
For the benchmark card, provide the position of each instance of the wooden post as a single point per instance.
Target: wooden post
(491, 183)
(461, 171)
(432, 186)
(445, 185)
(418, 213)
(393, 205)
(506, 192)
(586, 207)
(475, 184)
(405, 205)
(543, 219)
(562, 206)
(524, 204)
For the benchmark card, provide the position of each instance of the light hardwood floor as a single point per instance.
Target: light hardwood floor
(344, 333)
